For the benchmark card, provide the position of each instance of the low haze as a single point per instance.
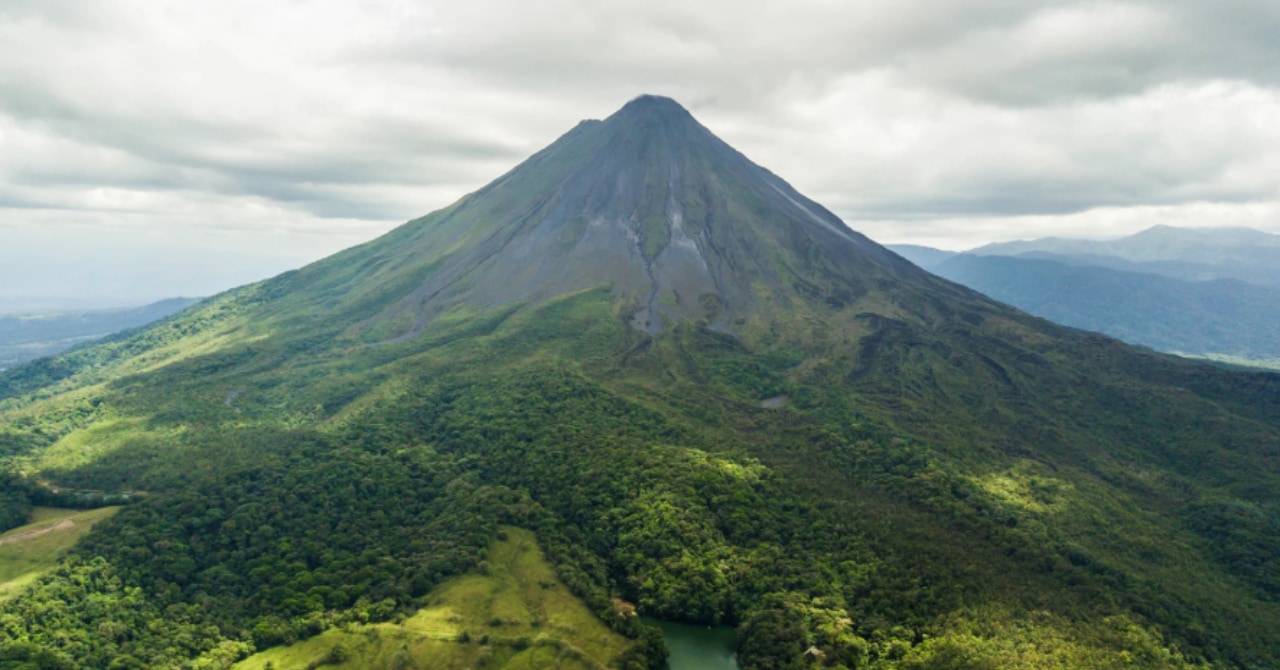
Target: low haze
(153, 149)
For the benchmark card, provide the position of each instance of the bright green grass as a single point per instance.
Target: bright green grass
(512, 614)
(27, 554)
(83, 446)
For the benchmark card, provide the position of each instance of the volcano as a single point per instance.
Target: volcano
(681, 226)
(677, 223)
(707, 399)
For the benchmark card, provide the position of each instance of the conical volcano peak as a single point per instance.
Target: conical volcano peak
(652, 204)
(652, 106)
(636, 365)
(655, 123)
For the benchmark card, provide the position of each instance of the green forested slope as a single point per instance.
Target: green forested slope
(937, 481)
(652, 472)
(510, 613)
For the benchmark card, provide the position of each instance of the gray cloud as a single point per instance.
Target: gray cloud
(1102, 50)
(138, 124)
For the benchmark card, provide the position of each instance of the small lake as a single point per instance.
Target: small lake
(698, 647)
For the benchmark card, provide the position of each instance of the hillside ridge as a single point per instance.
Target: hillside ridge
(950, 482)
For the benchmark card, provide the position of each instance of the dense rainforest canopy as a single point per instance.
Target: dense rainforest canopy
(703, 394)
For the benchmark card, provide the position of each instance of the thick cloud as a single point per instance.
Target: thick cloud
(156, 148)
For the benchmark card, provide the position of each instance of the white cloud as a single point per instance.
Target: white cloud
(135, 128)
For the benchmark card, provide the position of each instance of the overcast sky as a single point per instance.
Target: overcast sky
(151, 149)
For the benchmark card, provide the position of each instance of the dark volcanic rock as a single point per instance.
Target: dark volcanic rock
(680, 224)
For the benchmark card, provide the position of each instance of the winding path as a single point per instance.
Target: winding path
(32, 534)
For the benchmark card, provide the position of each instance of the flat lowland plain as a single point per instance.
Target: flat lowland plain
(511, 614)
(29, 550)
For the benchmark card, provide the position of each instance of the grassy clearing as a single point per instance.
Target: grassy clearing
(510, 615)
(27, 551)
(83, 446)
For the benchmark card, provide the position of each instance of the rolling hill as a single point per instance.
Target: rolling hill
(706, 398)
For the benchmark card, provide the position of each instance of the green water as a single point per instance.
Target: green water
(698, 647)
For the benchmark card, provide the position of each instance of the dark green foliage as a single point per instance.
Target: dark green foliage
(25, 656)
(269, 551)
(773, 639)
(1243, 538)
(950, 655)
(648, 653)
(84, 611)
(15, 502)
(697, 506)
(76, 499)
(938, 481)
(337, 655)
(27, 434)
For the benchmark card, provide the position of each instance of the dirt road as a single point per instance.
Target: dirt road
(36, 532)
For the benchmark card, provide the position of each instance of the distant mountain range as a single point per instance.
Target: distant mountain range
(26, 337)
(1203, 292)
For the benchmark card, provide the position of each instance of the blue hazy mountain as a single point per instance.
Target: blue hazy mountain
(1184, 253)
(1138, 301)
(25, 337)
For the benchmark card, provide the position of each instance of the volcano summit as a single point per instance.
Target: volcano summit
(705, 397)
(650, 203)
